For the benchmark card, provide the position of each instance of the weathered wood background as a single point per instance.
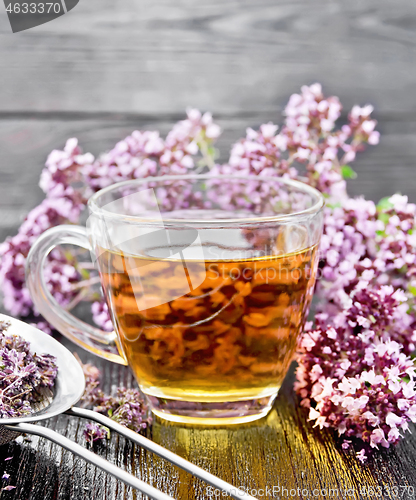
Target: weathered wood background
(111, 66)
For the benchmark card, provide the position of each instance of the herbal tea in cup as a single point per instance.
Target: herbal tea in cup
(208, 291)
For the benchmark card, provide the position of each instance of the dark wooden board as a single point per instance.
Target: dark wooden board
(226, 56)
(281, 450)
(25, 144)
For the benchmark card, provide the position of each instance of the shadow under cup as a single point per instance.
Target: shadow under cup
(208, 282)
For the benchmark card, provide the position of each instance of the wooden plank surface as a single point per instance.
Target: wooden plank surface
(25, 144)
(232, 57)
(282, 450)
(112, 66)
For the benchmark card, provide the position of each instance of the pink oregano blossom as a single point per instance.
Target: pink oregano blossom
(69, 179)
(354, 375)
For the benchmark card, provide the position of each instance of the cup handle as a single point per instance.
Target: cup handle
(99, 342)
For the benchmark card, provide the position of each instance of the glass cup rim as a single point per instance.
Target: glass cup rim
(281, 218)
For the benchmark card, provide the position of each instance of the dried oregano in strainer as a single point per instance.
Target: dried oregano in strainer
(23, 374)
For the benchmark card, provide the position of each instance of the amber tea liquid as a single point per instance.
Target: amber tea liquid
(231, 338)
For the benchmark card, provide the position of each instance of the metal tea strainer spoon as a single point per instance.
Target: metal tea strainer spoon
(68, 390)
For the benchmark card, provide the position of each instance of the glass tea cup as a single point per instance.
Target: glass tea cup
(208, 281)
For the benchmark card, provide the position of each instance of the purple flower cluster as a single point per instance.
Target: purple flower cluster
(69, 179)
(307, 147)
(367, 327)
(51, 212)
(63, 204)
(101, 315)
(22, 374)
(144, 154)
(355, 376)
(366, 246)
(313, 141)
(125, 407)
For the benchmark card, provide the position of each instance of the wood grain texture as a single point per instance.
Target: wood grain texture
(230, 57)
(281, 450)
(25, 144)
(112, 66)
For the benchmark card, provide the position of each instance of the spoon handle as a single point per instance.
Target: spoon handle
(87, 455)
(233, 491)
